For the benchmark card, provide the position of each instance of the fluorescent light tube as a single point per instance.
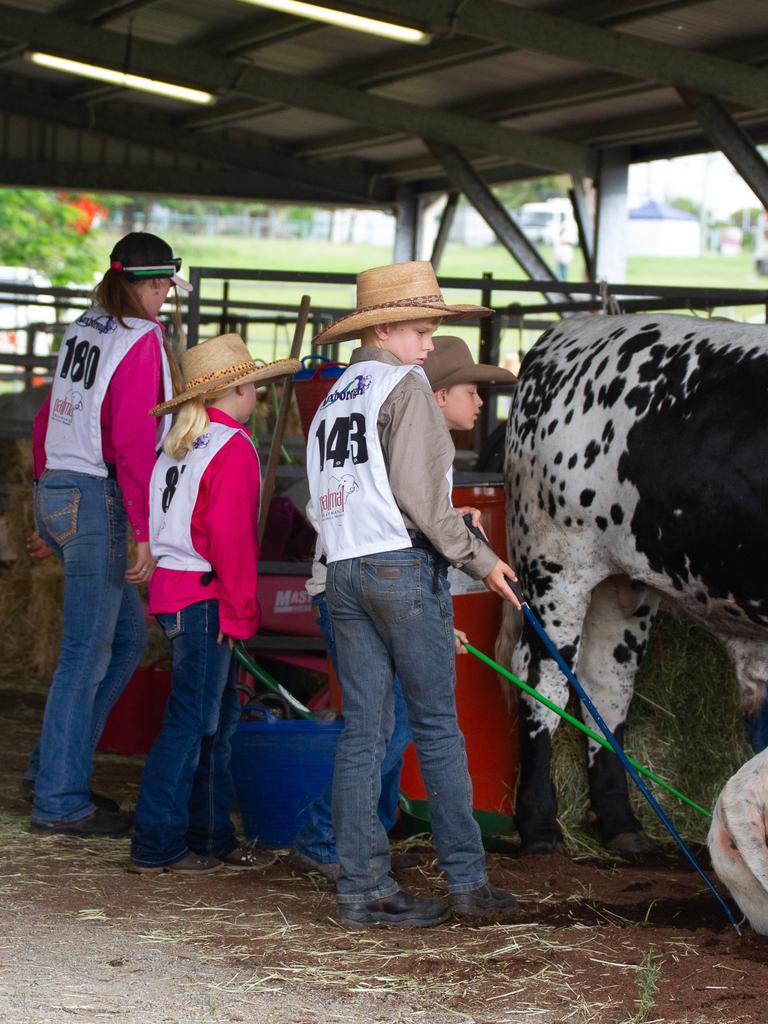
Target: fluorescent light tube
(123, 79)
(340, 19)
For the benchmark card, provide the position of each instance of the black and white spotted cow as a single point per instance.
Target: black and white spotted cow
(636, 467)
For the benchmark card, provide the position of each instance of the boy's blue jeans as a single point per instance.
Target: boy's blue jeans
(392, 612)
(316, 838)
(83, 520)
(187, 792)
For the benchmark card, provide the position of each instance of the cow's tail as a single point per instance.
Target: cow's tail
(508, 638)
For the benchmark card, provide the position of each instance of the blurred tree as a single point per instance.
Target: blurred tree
(43, 231)
(535, 190)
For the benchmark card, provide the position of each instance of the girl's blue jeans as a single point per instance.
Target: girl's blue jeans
(187, 792)
(83, 520)
(316, 838)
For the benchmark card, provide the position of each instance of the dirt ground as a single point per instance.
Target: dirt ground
(82, 940)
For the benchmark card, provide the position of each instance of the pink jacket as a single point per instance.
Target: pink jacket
(128, 434)
(224, 532)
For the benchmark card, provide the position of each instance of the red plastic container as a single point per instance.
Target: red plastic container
(311, 384)
(135, 721)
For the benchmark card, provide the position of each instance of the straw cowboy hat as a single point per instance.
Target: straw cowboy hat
(451, 363)
(223, 362)
(394, 294)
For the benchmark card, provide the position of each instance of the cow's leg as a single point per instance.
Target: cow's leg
(561, 611)
(614, 639)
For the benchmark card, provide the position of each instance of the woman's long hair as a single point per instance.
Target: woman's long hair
(119, 297)
(189, 423)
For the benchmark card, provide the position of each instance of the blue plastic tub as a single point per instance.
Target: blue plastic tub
(279, 768)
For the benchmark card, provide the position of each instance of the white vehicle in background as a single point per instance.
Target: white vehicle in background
(761, 244)
(546, 223)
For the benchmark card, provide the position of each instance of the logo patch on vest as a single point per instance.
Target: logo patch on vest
(104, 323)
(354, 389)
(65, 408)
(202, 442)
(333, 502)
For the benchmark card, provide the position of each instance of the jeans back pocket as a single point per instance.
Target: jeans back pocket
(392, 588)
(58, 508)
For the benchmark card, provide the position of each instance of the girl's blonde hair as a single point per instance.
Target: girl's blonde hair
(189, 423)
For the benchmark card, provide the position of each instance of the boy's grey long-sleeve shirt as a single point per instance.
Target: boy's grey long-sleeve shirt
(418, 452)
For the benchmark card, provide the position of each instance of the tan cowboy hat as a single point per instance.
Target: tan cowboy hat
(394, 294)
(451, 363)
(213, 366)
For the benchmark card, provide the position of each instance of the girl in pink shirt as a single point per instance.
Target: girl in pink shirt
(94, 446)
(203, 510)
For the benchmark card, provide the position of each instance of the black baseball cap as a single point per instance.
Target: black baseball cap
(141, 255)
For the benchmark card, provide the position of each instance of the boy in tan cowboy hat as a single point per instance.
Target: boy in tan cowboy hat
(203, 513)
(379, 461)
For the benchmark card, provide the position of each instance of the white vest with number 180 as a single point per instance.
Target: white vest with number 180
(92, 349)
(348, 483)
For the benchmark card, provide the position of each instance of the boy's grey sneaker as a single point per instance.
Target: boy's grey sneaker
(487, 901)
(191, 863)
(304, 862)
(400, 910)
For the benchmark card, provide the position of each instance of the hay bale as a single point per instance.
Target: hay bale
(684, 724)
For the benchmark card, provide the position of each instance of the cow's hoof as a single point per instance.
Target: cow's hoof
(542, 848)
(631, 844)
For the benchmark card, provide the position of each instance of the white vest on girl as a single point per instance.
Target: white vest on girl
(92, 349)
(173, 490)
(348, 483)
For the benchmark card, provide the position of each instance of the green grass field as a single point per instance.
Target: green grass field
(459, 261)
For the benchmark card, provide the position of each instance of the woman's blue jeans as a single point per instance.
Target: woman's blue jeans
(392, 612)
(316, 838)
(83, 520)
(187, 793)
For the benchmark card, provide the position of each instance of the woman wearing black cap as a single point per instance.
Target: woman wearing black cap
(95, 446)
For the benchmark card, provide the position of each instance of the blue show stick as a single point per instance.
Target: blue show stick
(528, 612)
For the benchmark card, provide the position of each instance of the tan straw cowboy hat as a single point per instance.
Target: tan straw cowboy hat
(394, 294)
(213, 366)
(451, 363)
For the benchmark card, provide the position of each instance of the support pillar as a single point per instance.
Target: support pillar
(407, 228)
(585, 224)
(444, 229)
(611, 220)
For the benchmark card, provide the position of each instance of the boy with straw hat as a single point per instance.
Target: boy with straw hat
(204, 508)
(379, 461)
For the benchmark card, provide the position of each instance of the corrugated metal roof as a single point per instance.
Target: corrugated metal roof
(547, 91)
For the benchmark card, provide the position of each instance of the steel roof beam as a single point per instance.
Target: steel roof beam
(168, 181)
(335, 184)
(542, 98)
(101, 12)
(644, 59)
(253, 33)
(728, 136)
(410, 61)
(189, 66)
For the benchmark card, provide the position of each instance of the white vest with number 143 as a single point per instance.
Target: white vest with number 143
(351, 496)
